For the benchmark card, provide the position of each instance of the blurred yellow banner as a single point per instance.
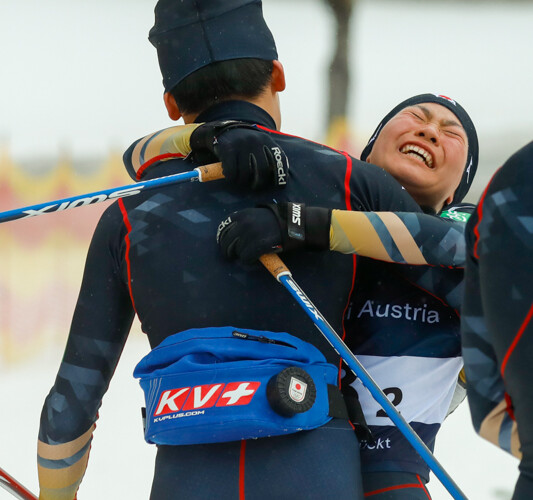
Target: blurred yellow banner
(42, 259)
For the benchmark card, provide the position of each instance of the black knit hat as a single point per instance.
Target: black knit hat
(190, 34)
(466, 122)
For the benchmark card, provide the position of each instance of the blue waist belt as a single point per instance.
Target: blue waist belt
(213, 385)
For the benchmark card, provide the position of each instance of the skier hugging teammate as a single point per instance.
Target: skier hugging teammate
(244, 398)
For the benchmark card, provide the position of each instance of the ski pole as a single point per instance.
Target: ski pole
(281, 272)
(203, 174)
(10, 484)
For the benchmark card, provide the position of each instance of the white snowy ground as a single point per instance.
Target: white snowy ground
(121, 463)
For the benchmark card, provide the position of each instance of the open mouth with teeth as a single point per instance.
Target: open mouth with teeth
(418, 153)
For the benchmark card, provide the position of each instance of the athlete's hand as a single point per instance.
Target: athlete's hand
(250, 158)
(252, 232)
(248, 234)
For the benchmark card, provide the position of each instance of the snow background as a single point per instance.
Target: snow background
(82, 77)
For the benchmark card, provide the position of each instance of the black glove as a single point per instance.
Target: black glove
(252, 232)
(250, 158)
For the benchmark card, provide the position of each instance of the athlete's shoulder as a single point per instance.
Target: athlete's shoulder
(382, 190)
(289, 141)
(113, 223)
(515, 173)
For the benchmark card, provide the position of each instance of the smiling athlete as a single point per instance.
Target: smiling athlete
(402, 321)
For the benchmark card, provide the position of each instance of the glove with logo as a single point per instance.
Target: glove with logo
(247, 234)
(250, 158)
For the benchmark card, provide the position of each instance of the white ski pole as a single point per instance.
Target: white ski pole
(281, 272)
(203, 174)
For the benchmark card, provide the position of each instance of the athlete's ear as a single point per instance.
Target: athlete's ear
(278, 77)
(172, 108)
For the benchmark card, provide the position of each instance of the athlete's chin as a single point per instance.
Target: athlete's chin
(418, 186)
(413, 177)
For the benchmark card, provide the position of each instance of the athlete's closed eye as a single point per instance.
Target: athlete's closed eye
(456, 135)
(451, 132)
(416, 115)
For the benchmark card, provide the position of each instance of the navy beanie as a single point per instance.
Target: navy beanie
(466, 122)
(190, 34)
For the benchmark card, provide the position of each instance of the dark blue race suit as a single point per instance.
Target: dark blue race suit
(403, 324)
(155, 255)
(497, 328)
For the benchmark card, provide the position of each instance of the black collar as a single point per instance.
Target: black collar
(237, 110)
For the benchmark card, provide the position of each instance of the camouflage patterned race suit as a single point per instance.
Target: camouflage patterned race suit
(496, 324)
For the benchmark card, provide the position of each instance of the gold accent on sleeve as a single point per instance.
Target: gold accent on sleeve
(136, 153)
(179, 140)
(403, 238)
(352, 232)
(170, 140)
(63, 494)
(491, 425)
(154, 147)
(66, 450)
(61, 478)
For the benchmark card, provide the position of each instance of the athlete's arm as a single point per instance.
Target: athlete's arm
(100, 325)
(250, 158)
(497, 300)
(485, 387)
(444, 248)
(407, 238)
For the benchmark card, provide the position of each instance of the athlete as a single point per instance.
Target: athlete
(497, 310)
(402, 322)
(427, 320)
(153, 255)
